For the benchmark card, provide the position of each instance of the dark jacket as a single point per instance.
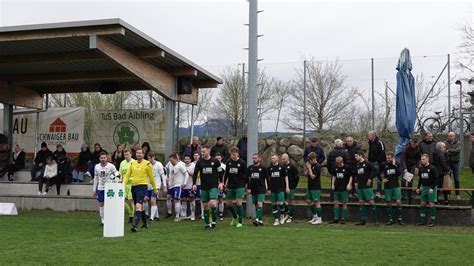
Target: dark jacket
(65, 170)
(427, 147)
(117, 161)
(19, 162)
(440, 162)
(453, 149)
(377, 151)
(331, 161)
(190, 149)
(352, 150)
(96, 155)
(57, 154)
(222, 149)
(242, 145)
(319, 152)
(411, 157)
(84, 158)
(4, 155)
(471, 158)
(42, 155)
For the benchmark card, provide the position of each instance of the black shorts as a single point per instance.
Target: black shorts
(138, 193)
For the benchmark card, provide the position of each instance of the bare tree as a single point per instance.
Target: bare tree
(466, 49)
(326, 96)
(426, 95)
(282, 92)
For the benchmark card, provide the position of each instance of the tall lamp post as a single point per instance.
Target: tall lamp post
(461, 123)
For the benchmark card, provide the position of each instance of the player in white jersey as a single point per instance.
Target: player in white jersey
(103, 171)
(160, 180)
(177, 179)
(187, 194)
(221, 197)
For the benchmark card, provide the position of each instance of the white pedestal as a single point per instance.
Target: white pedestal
(8, 209)
(114, 195)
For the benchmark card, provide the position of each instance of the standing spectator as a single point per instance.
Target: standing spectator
(64, 173)
(50, 171)
(191, 148)
(352, 147)
(377, 157)
(117, 156)
(453, 150)
(242, 145)
(314, 147)
(339, 151)
(471, 158)
(410, 161)
(428, 146)
(81, 166)
(17, 164)
(4, 156)
(59, 152)
(146, 149)
(221, 148)
(442, 167)
(40, 161)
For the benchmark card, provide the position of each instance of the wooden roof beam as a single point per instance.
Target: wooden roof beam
(20, 96)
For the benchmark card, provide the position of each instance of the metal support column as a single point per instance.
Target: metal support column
(304, 103)
(449, 91)
(8, 123)
(373, 93)
(170, 129)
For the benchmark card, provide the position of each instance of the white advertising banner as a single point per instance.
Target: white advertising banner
(128, 127)
(63, 126)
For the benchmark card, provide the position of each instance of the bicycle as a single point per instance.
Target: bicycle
(436, 125)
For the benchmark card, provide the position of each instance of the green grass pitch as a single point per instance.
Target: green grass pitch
(47, 237)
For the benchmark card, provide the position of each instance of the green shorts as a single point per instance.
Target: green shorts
(128, 191)
(341, 196)
(365, 194)
(257, 198)
(425, 194)
(392, 194)
(277, 197)
(313, 195)
(291, 195)
(207, 195)
(235, 193)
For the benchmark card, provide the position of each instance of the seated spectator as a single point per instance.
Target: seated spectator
(40, 161)
(64, 173)
(4, 156)
(18, 162)
(59, 152)
(117, 156)
(134, 150)
(50, 171)
(94, 160)
(81, 166)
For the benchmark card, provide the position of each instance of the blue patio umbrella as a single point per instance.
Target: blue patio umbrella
(406, 106)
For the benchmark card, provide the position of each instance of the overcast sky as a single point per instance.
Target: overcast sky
(212, 34)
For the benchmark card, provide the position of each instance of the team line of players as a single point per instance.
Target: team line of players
(206, 179)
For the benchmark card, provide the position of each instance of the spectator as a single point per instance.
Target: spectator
(117, 156)
(314, 147)
(352, 147)
(94, 160)
(453, 150)
(40, 161)
(221, 148)
(377, 157)
(242, 145)
(146, 149)
(410, 161)
(428, 146)
(59, 152)
(191, 148)
(339, 151)
(64, 173)
(50, 171)
(471, 159)
(4, 156)
(81, 166)
(442, 168)
(134, 150)
(17, 164)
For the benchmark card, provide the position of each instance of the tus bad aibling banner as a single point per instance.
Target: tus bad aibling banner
(128, 127)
